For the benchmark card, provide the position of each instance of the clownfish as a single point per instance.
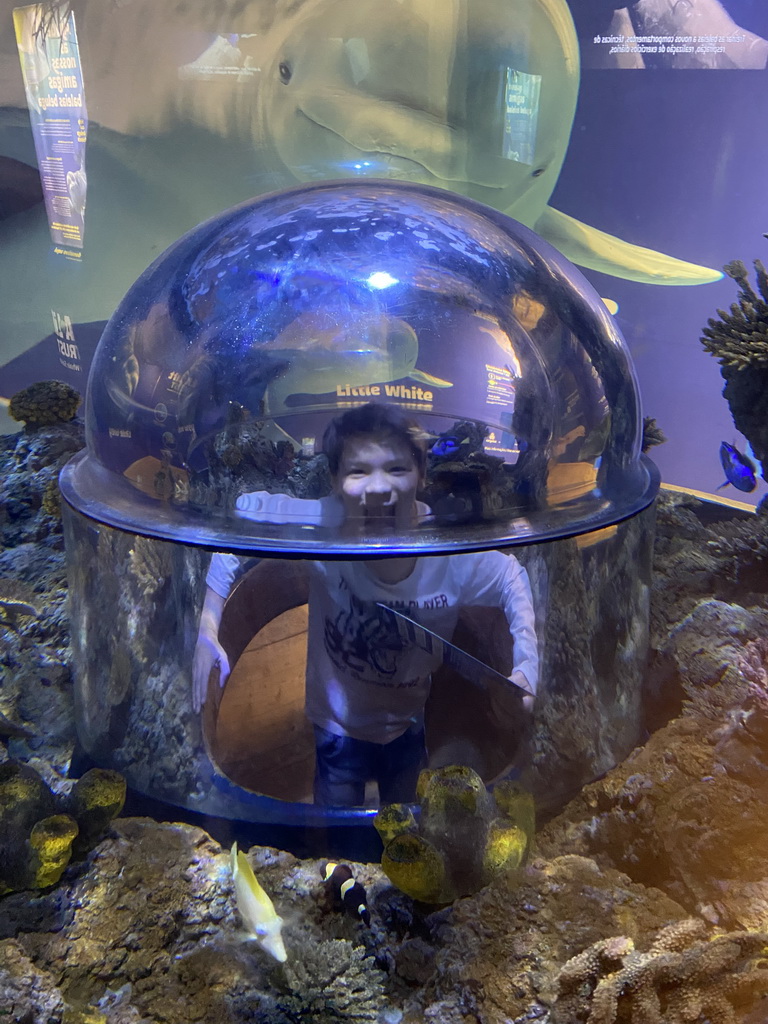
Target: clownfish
(347, 891)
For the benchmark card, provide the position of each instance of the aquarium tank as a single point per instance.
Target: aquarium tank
(377, 683)
(357, 395)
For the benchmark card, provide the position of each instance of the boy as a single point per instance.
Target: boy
(365, 689)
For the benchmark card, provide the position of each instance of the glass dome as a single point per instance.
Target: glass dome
(220, 372)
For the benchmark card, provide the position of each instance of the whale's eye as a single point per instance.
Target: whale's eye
(285, 72)
(538, 172)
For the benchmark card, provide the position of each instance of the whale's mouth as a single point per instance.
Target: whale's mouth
(391, 140)
(354, 162)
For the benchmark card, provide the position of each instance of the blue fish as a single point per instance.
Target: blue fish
(739, 470)
(447, 445)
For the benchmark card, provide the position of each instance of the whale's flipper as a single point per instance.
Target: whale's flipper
(427, 378)
(598, 250)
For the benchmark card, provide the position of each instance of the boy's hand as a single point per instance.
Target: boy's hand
(508, 701)
(529, 698)
(208, 654)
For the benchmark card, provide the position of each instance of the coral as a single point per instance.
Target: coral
(96, 799)
(753, 667)
(652, 434)
(741, 548)
(332, 982)
(498, 952)
(739, 341)
(150, 564)
(464, 837)
(30, 462)
(394, 819)
(51, 842)
(685, 976)
(686, 812)
(40, 830)
(414, 865)
(505, 847)
(740, 338)
(45, 402)
(27, 992)
(51, 504)
(517, 804)
(699, 555)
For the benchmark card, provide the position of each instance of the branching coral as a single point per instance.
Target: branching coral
(333, 982)
(652, 434)
(684, 977)
(739, 341)
(740, 337)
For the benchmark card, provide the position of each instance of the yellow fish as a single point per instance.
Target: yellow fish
(256, 908)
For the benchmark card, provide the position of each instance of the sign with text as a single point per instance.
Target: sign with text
(53, 82)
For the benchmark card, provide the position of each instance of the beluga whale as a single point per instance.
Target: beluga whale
(476, 96)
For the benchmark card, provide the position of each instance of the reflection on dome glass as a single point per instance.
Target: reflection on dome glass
(219, 373)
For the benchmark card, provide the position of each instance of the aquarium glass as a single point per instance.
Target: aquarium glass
(218, 375)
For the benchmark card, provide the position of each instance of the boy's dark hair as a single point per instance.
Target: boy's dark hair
(374, 420)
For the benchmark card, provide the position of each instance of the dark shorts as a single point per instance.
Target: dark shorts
(344, 765)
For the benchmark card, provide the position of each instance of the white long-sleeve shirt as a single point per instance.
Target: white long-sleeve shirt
(362, 680)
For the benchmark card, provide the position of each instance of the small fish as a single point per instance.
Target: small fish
(447, 445)
(347, 891)
(739, 469)
(256, 908)
(12, 610)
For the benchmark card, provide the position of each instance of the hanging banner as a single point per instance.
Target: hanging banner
(53, 82)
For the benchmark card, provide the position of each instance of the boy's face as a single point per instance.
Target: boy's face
(378, 480)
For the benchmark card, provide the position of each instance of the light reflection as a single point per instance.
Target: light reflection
(381, 279)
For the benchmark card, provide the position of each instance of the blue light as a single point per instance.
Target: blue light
(381, 279)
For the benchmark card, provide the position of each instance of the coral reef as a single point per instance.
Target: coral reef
(723, 557)
(35, 678)
(462, 838)
(333, 981)
(686, 811)
(157, 588)
(44, 403)
(741, 549)
(41, 830)
(740, 337)
(685, 975)
(739, 341)
(146, 931)
(143, 930)
(593, 645)
(497, 954)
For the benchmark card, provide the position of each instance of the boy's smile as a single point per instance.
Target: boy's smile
(378, 479)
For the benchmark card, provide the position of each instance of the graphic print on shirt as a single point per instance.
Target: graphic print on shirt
(360, 638)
